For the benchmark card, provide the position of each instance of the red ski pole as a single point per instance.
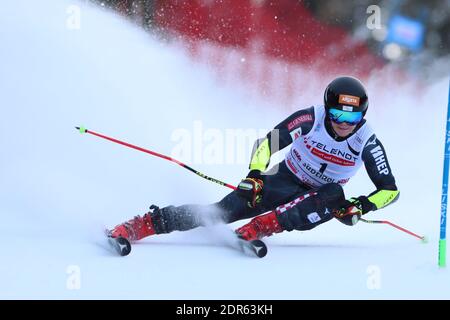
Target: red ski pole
(423, 238)
(156, 154)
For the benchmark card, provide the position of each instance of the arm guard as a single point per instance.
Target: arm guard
(382, 198)
(261, 155)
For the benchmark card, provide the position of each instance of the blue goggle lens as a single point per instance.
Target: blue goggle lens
(340, 116)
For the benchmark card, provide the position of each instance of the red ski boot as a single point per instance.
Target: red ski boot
(135, 229)
(259, 227)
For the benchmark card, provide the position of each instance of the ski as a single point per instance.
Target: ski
(253, 247)
(121, 245)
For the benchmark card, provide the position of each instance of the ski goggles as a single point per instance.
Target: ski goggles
(341, 116)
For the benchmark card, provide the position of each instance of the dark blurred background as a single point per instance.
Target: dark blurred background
(410, 34)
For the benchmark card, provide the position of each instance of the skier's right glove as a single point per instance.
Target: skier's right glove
(251, 187)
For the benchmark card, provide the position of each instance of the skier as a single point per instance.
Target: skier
(329, 143)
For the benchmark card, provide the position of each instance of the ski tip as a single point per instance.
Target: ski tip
(424, 239)
(260, 248)
(125, 246)
(121, 245)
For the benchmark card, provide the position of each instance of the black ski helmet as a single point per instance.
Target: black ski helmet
(346, 93)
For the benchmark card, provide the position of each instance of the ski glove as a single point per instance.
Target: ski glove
(363, 204)
(349, 216)
(251, 187)
(353, 209)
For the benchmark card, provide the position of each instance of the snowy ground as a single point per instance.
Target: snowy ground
(58, 189)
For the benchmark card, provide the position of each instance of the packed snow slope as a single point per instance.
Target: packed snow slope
(59, 189)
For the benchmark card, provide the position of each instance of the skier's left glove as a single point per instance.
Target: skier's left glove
(251, 187)
(353, 209)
